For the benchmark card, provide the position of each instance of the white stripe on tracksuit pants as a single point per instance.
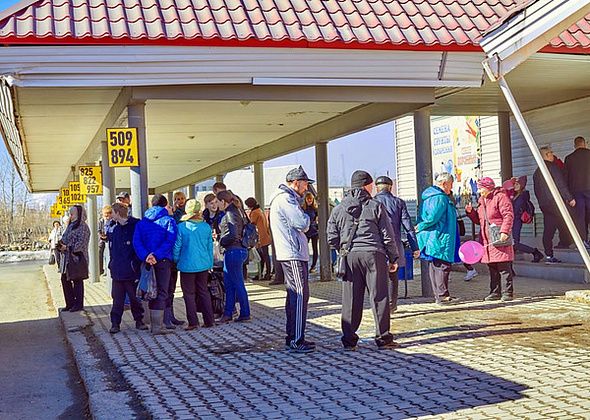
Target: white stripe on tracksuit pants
(296, 281)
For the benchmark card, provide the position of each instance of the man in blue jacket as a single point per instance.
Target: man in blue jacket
(124, 267)
(153, 241)
(399, 216)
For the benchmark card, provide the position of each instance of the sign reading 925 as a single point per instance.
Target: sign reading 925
(122, 147)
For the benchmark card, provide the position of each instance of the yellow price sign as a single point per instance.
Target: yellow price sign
(122, 147)
(91, 180)
(75, 195)
(65, 197)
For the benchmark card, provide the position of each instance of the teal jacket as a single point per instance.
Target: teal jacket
(437, 225)
(193, 250)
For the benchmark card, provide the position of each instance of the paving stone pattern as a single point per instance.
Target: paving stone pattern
(529, 358)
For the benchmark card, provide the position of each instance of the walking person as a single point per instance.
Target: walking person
(577, 165)
(397, 210)
(288, 224)
(258, 217)
(495, 211)
(310, 208)
(234, 258)
(438, 236)
(193, 254)
(73, 247)
(104, 224)
(153, 241)
(360, 226)
(552, 219)
(54, 237)
(124, 266)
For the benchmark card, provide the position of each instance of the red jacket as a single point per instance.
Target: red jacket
(500, 212)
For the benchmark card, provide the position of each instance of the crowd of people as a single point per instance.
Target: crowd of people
(181, 238)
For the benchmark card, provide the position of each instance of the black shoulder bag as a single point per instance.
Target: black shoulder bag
(343, 253)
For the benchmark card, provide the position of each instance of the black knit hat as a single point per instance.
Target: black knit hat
(360, 179)
(384, 180)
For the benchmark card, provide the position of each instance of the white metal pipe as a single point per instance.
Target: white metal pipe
(544, 170)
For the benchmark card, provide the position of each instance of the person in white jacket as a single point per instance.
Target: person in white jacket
(288, 224)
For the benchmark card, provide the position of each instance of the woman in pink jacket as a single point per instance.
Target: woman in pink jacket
(495, 203)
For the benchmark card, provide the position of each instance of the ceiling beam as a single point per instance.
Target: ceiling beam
(355, 120)
(239, 92)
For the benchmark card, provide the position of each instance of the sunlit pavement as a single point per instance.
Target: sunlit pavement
(529, 358)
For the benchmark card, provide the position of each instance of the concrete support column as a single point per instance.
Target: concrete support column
(321, 164)
(108, 176)
(505, 145)
(259, 183)
(138, 174)
(170, 197)
(218, 178)
(191, 191)
(92, 213)
(423, 152)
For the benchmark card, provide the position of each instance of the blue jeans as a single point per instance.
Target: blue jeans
(233, 279)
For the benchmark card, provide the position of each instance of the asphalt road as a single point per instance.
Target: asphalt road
(38, 377)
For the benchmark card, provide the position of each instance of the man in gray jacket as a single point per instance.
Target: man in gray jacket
(372, 254)
(289, 223)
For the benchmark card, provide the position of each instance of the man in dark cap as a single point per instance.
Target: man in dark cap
(359, 227)
(400, 218)
(289, 223)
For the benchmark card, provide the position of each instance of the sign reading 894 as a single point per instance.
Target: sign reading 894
(122, 147)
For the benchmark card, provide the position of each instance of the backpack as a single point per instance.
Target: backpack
(249, 235)
(528, 212)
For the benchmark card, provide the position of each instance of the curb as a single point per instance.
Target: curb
(580, 296)
(103, 401)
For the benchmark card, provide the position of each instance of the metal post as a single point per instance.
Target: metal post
(259, 183)
(321, 164)
(424, 178)
(505, 145)
(108, 176)
(544, 170)
(138, 174)
(92, 213)
(191, 192)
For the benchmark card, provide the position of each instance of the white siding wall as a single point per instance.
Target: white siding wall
(490, 148)
(406, 162)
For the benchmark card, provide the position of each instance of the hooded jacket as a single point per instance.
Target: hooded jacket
(374, 232)
(231, 228)
(124, 263)
(155, 233)
(288, 224)
(437, 225)
(193, 250)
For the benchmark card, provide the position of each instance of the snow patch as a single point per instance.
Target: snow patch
(18, 256)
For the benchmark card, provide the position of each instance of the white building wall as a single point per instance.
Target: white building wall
(490, 148)
(406, 162)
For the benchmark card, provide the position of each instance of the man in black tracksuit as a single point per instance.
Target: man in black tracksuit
(399, 217)
(577, 166)
(552, 219)
(372, 246)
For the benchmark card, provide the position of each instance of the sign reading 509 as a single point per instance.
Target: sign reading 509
(122, 147)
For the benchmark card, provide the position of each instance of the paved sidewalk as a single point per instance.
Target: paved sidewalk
(529, 358)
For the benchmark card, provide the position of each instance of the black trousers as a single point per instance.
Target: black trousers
(73, 292)
(393, 287)
(162, 269)
(439, 272)
(172, 285)
(101, 247)
(501, 272)
(296, 281)
(365, 271)
(264, 261)
(314, 250)
(552, 222)
(120, 289)
(278, 268)
(195, 293)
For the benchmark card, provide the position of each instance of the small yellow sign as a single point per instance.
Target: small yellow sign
(122, 147)
(66, 199)
(91, 180)
(76, 196)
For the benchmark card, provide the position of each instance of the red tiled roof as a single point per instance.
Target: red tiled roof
(382, 24)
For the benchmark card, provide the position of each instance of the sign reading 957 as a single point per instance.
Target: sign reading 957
(90, 180)
(122, 147)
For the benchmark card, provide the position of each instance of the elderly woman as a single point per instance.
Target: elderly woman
(495, 212)
(74, 259)
(438, 235)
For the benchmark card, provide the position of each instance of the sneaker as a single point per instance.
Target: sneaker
(491, 297)
(507, 298)
(309, 343)
(390, 345)
(301, 348)
(471, 274)
(224, 319)
(552, 260)
(447, 300)
(140, 325)
(312, 270)
(242, 319)
(115, 329)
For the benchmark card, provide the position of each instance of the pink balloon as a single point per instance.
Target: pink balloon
(471, 252)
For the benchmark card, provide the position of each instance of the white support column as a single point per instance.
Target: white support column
(218, 178)
(544, 170)
(138, 174)
(191, 192)
(423, 152)
(108, 176)
(505, 145)
(170, 197)
(321, 164)
(92, 213)
(259, 183)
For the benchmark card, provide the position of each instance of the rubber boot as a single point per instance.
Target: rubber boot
(168, 319)
(156, 319)
(173, 318)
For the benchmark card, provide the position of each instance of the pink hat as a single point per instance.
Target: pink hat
(487, 183)
(508, 185)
